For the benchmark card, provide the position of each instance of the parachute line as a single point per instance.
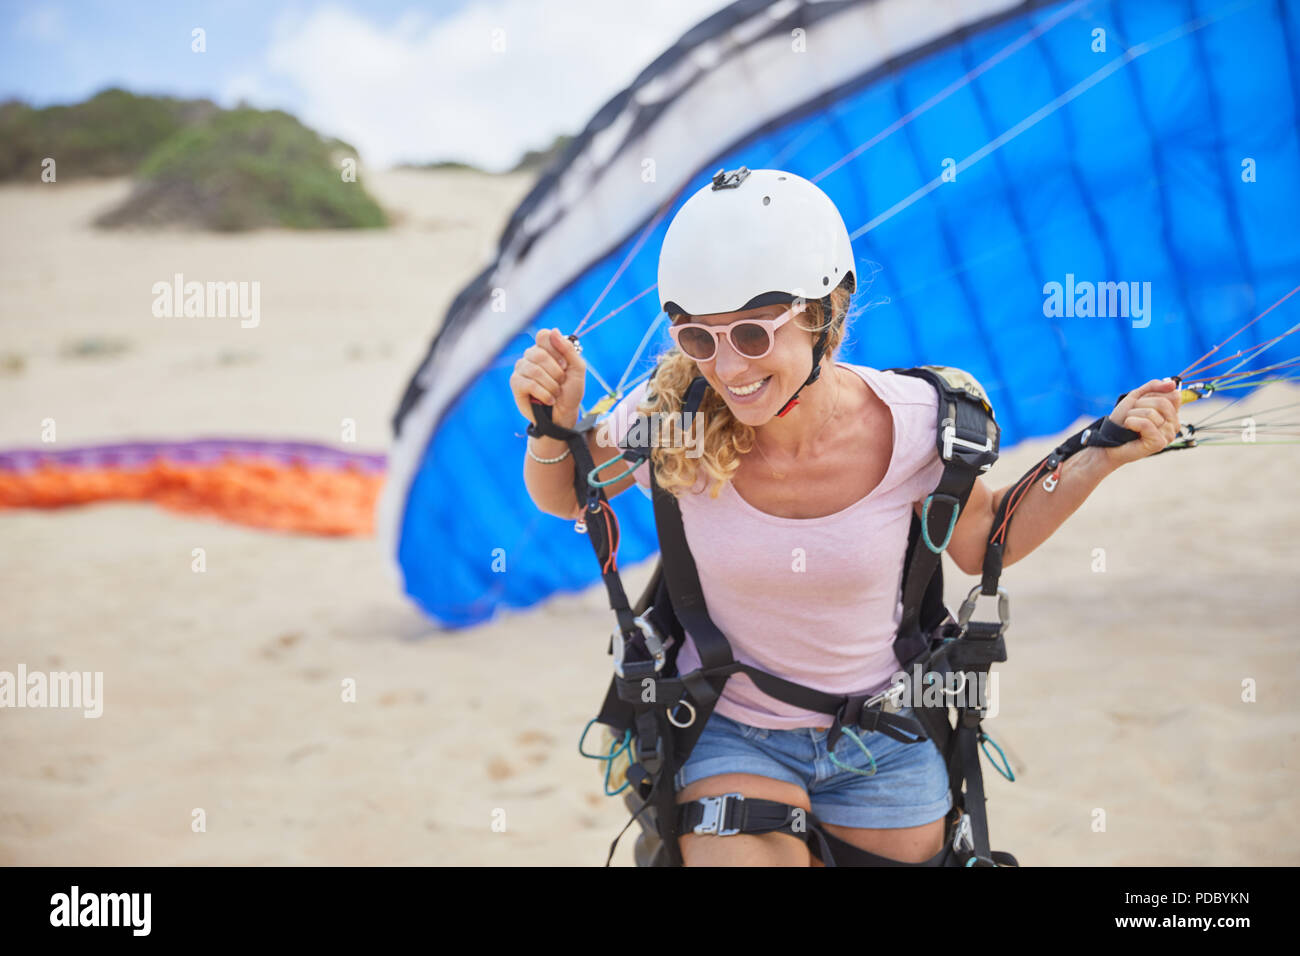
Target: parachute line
(1033, 119)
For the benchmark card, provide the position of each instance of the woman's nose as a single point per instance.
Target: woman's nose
(729, 363)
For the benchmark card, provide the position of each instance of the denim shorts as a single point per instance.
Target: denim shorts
(908, 789)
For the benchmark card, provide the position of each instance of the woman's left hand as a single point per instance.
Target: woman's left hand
(1152, 412)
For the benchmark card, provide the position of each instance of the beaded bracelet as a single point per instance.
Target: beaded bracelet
(547, 461)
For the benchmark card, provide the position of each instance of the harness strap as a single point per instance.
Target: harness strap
(967, 441)
(679, 565)
(846, 854)
(717, 662)
(851, 710)
(839, 853)
(845, 709)
(730, 814)
(968, 754)
(733, 813)
(597, 530)
(670, 846)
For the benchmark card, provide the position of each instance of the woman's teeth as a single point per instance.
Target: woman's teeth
(748, 389)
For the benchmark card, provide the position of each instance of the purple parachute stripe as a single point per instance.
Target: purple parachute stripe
(197, 452)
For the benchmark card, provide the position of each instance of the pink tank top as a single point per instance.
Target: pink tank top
(814, 600)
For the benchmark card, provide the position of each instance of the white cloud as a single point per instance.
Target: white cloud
(44, 23)
(420, 90)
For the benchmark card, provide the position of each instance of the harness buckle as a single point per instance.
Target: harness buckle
(715, 815)
(951, 441)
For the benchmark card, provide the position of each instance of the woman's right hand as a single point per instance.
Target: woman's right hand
(554, 373)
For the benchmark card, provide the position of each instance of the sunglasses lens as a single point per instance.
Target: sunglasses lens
(697, 343)
(750, 339)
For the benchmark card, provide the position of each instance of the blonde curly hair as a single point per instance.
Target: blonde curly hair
(725, 439)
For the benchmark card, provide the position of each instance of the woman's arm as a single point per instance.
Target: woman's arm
(1151, 411)
(1038, 515)
(553, 371)
(551, 485)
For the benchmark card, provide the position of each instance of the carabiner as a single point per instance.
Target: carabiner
(595, 482)
(968, 607)
(653, 642)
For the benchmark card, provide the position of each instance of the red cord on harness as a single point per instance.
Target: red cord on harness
(1017, 494)
(611, 535)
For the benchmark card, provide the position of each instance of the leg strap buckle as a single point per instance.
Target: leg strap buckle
(715, 815)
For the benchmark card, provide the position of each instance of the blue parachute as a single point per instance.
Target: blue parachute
(996, 167)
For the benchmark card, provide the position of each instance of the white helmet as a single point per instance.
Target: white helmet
(748, 234)
(753, 238)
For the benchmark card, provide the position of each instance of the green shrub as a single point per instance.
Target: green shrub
(107, 135)
(246, 169)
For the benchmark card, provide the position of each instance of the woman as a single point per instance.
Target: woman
(797, 501)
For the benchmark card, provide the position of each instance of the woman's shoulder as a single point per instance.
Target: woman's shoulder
(914, 407)
(895, 389)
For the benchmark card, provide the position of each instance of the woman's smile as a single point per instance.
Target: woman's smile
(749, 392)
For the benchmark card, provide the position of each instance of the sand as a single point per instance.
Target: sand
(222, 689)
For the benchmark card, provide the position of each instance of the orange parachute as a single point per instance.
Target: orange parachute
(285, 486)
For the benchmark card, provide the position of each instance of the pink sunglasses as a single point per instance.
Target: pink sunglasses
(751, 338)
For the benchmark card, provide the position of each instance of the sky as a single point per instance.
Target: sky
(480, 81)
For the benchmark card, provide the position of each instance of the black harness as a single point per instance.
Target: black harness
(660, 713)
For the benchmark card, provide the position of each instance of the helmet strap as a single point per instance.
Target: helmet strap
(819, 349)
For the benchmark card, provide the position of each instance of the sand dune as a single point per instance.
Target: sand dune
(222, 689)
